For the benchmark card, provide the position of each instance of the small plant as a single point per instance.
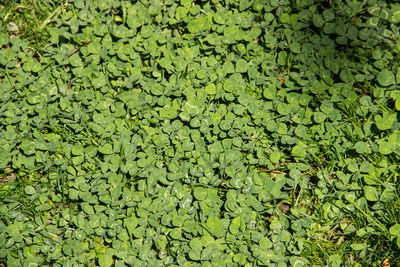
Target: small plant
(226, 133)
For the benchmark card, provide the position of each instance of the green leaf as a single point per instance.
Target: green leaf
(105, 260)
(282, 58)
(394, 140)
(386, 78)
(198, 25)
(77, 150)
(318, 20)
(285, 18)
(265, 243)
(295, 47)
(211, 89)
(234, 227)
(386, 121)
(275, 157)
(319, 117)
(106, 149)
(299, 151)
(358, 247)
(195, 254)
(284, 109)
(219, 17)
(395, 13)
(232, 33)
(362, 147)
(176, 233)
(385, 148)
(214, 225)
(395, 230)
(131, 224)
(3, 39)
(28, 147)
(269, 92)
(346, 76)
(371, 193)
(30, 190)
(242, 66)
(275, 224)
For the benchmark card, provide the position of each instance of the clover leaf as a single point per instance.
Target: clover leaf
(386, 78)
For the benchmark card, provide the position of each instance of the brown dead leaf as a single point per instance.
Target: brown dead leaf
(10, 177)
(284, 207)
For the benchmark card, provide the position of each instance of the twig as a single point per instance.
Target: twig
(76, 49)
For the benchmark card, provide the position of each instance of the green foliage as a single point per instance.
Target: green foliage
(153, 133)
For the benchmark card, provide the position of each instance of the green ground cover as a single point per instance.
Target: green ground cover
(199, 133)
